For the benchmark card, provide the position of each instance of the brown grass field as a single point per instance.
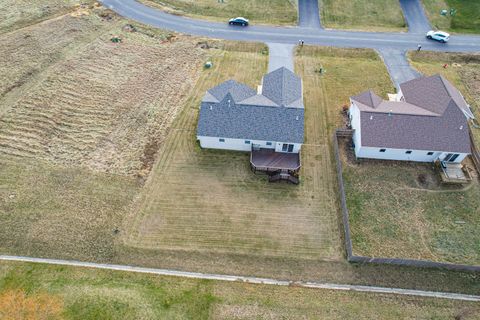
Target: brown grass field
(33, 291)
(97, 108)
(15, 14)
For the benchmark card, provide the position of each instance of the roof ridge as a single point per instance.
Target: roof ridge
(283, 86)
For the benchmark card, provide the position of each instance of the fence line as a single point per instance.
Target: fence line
(475, 152)
(347, 234)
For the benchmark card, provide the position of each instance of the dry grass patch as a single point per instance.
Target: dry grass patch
(60, 212)
(106, 108)
(15, 14)
(27, 54)
(372, 15)
(264, 11)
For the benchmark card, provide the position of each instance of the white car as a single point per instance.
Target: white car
(438, 35)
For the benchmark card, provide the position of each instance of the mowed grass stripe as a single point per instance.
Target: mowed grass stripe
(210, 201)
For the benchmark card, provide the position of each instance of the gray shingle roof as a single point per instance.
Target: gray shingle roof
(429, 119)
(239, 91)
(234, 110)
(251, 122)
(282, 86)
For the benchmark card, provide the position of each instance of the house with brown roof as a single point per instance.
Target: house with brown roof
(426, 121)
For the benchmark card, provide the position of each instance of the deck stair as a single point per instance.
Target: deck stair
(283, 175)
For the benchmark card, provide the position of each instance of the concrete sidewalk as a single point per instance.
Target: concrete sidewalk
(256, 280)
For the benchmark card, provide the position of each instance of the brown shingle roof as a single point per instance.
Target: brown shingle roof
(431, 118)
(368, 98)
(448, 133)
(433, 93)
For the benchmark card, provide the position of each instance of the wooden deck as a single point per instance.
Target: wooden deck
(270, 161)
(454, 173)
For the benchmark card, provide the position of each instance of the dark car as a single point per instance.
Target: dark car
(238, 21)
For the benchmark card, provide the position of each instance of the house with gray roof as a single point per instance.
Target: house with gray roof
(269, 122)
(426, 121)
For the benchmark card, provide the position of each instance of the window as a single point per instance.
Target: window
(430, 153)
(221, 140)
(448, 157)
(383, 150)
(290, 148)
(268, 143)
(247, 141)
(453, 157)
(284, 147)
(408, 151)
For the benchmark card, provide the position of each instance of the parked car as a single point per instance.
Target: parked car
(238, 21)
(438, 35)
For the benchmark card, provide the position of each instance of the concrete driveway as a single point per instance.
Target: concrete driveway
(280, 55)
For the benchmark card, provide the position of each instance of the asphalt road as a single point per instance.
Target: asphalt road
(308, 14)
(415, 16)
(351, 39)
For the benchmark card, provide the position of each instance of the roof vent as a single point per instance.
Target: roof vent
(390, 113)
(296, 118)
(211, 107)
(461, 127)
(229, 103)
(371, 117)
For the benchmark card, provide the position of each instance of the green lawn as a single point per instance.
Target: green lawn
(373, 15)
(33, 291)
(277, 12)
(466, 19)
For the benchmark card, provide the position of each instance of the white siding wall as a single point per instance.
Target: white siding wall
(400, 154)
(354, 113)
(240, 145)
